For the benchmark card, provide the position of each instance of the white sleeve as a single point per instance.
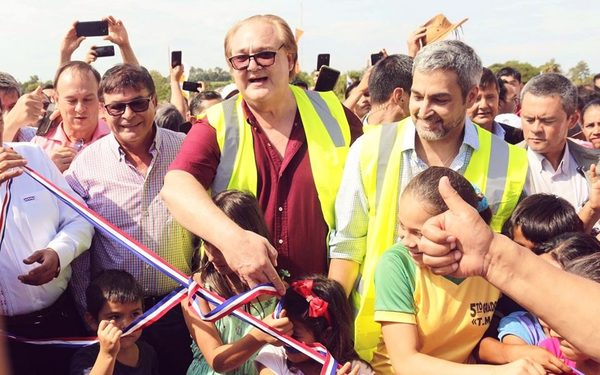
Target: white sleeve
(74, 234)
(349, 237)
(273, 358)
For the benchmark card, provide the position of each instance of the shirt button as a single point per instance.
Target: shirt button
(280, 209)
(280, 241)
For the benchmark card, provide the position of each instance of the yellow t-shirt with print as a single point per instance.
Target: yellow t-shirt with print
(451, 314)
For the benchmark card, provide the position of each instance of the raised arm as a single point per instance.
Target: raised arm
(529, 280)
(177, 98)
(117, 34)
(69, 44)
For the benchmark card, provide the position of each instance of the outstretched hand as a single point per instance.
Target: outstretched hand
(70, 42)
(46, 271)
(117, 33)
(254, 259)
(457, 241)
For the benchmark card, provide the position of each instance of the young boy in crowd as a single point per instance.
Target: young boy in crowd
(114, 301)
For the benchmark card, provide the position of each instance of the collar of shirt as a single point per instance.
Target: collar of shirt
(58, 134)
(470, 138)
(154, 147)
(498, 130)
(538, 162)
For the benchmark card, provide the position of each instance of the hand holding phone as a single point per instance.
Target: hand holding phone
(44, 124)
(92, 28)
(175, 58)
(327, 79)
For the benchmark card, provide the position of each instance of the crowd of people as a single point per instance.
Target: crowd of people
(442, 219)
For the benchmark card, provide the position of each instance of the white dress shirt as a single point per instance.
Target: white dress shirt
(36, 220)
(566, 181)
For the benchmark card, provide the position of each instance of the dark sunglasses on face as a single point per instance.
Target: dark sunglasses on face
(262, 59)
(136, 105)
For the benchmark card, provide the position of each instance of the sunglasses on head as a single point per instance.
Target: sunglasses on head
(262, 59)
(136, 105)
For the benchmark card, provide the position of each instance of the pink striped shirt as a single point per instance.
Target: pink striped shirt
(114, 188)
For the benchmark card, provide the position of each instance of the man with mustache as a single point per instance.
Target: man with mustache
(485, 109)
(380, 164)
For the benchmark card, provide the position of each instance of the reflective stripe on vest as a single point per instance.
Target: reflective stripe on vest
(381, 164)
(327, 136)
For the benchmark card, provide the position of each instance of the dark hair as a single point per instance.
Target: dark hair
(542, 217)
(78, 66)
(123, 76)
(197, 104)
(550, 84)
(567, 246)
(597, 76)
(588, 105)
(501, 91)
(586, 266)
(114, 286)
(350, 88)
(168, 117)
(389, 73)
(300, 83)
(508, 71)
(48, 85)
(425, 187)
(8, 83)
(337, 337)
(488, 79)
(243, 209)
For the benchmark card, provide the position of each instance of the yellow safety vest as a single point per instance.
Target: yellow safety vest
(501, 180)
(327, 135)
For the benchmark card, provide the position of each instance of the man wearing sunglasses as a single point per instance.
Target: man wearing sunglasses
(119, 177)
(280, 142)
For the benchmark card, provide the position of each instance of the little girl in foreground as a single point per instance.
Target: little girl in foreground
(320, 312)
(432, 323)
(229, 345)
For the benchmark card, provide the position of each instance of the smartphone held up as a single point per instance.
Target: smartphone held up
(92, 28)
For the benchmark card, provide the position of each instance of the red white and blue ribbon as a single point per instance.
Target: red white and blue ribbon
(149, 317)
(4, 211)
(230, 307)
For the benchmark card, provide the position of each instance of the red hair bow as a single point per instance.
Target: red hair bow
(317, 307)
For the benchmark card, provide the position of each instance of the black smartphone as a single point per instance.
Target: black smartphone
(191, 86)
(322, 59)
(375, 57)
(175, 58)
(327, 79)
(103, 51)
(44, 124)
(92, 28)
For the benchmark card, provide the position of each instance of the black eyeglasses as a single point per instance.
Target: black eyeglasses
(262, 59)
(136, 105)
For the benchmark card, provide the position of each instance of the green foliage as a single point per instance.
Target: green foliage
(306, 77)
(163, 89)
(526, 69)
(209, 75)
(32, 83)
(550, 67)
(580, 74)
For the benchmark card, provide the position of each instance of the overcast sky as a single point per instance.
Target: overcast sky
(529, 30)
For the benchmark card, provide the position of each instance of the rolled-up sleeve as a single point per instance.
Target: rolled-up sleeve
(349, 238)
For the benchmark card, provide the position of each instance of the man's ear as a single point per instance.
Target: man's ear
(102, 111)
(397, 96)
(90, 321)
(573, 119)
(472, 96)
